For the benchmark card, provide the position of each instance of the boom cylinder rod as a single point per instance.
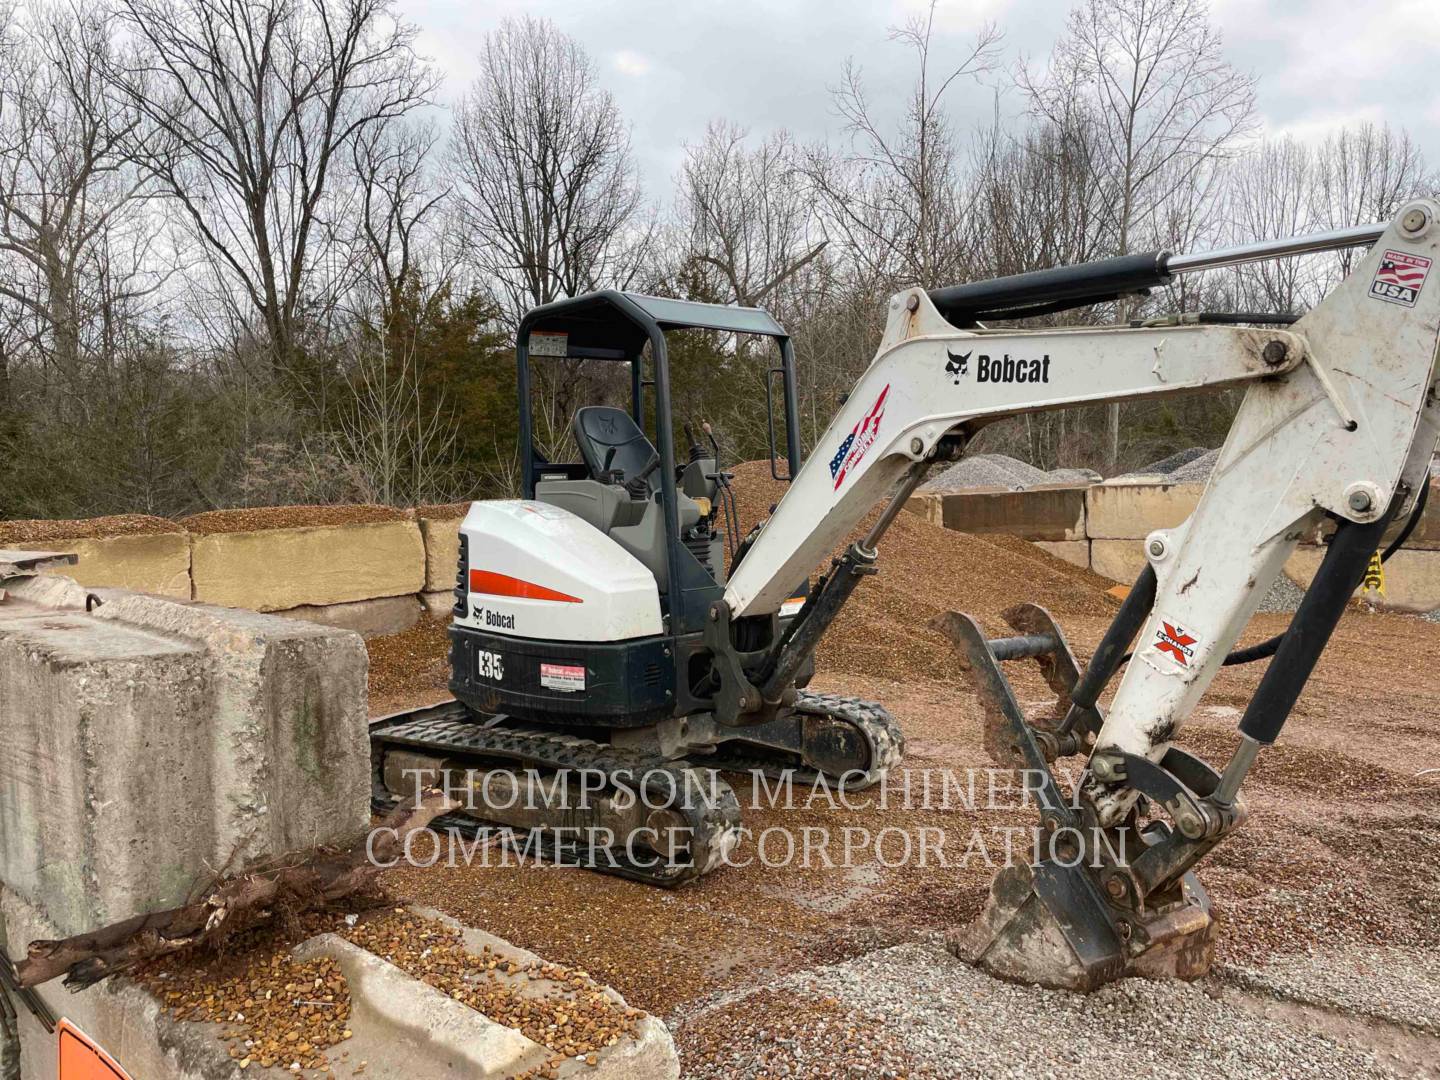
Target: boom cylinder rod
(1354, 236)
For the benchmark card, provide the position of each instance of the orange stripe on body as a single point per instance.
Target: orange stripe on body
(493, 584)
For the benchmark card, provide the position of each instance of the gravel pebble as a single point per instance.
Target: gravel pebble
(950, 1020)
(256, 518)
(1396, 985)
(1000, 470)
(44, 531)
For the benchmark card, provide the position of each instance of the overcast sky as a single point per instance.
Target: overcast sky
(673, 66)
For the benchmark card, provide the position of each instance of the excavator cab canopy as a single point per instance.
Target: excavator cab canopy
(611, 325)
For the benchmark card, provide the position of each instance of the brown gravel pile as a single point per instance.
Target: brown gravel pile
(274, 1010)
(926, 570)
(410, 666)
(443, 511)
(575, 1017)
(252, 519)
(14, 533)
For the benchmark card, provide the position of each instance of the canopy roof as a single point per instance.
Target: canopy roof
(616, 325)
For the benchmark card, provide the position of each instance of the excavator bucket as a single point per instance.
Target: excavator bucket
(1049, 925)
(1074, 921)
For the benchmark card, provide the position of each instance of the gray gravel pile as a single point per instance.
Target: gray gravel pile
(954, 1021)
(1000, 470)
(1396, 985)
(1284, 595)
(1192, 466)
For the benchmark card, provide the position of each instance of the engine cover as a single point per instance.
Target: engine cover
(539, 572)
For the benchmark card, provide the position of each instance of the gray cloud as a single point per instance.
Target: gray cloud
(673, 67)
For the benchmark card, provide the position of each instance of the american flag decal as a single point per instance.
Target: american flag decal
(1399, 278)
(862, 436)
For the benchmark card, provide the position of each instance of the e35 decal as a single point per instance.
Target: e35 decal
(490, 665)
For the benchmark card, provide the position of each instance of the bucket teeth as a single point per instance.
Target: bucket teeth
(1048, 925)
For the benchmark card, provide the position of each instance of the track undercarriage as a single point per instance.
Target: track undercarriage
(649, 804)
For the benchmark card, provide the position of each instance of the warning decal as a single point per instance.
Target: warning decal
(81, 1059)
(566, 678)
(543, 343)
(1399, 278)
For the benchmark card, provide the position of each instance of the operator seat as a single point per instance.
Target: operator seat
(600, 428)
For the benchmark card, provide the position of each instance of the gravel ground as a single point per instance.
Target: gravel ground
(938, 1017)
(1394, 985)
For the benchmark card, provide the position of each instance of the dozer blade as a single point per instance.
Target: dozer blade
(1049, 926)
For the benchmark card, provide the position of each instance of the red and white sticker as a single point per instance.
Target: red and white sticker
(567, 678)
(1174, 641)
(1399, 278)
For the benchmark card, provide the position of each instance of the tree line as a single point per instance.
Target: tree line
(256, 252)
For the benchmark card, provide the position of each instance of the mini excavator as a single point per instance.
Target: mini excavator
(596, 625)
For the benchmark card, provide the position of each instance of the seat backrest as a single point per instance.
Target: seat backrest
(598, 429)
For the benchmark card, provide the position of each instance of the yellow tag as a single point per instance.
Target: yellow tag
(1375, 576)
(704, 505)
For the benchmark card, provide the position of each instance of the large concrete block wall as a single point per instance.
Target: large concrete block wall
(276, 569)
(373, 577)
(1107, 533)
(380, 577)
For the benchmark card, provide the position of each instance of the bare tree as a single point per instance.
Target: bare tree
(1271, 193)
(746, 212)
(251, 106)
(543, 169)
(892, 197)
(397, 201)
(1364, 174)
(1150, 78)
(72, 243)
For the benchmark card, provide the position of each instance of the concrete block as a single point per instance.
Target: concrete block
(151, 742)
(1119, 511)
(1056, 513)
(119, 1016)
(929, 507)
(156, 563)
(278, 569)
(368, 618)
(1075, 552)
(1412, 578)
(442, 550)
(649, 1055)
(414, 1029)
(1118, 560)
(438, 605)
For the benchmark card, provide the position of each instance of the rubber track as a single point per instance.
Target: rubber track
(886, 741)
(715, 822)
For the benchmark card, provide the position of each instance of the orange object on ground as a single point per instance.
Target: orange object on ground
(81, 1059)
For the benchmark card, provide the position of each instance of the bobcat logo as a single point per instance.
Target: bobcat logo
(957, 365)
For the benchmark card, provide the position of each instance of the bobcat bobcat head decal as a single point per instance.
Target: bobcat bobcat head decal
(957, 365)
